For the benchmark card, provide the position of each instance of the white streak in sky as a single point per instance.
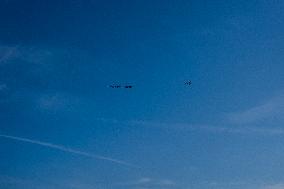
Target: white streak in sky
(66, 149)
(271, 109)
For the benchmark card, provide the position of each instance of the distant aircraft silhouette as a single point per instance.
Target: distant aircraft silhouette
(187, 83)
(131, 86)
(120, 86)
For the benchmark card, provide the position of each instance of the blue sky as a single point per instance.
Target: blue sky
(62, 127)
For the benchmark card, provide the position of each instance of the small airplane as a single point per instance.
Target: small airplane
(121, 86)
(128, 86)
(187, 83)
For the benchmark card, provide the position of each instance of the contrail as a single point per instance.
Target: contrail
(66, 149)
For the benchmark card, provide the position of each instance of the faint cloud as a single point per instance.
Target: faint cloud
(24, 53)
(256, 130)
(230, 184)
(53, 101)
(247, 130)
(57, 101)
(146, 182)
(274, 186)
(273, 108)
(7, 53)
(187, 127)
(78, 185)
(67, 149)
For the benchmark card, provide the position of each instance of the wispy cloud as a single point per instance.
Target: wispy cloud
(56, 101)
(233, 123)
(224, 129)
(269, 109)
(223, 184)
(187, 127)
(147, 182)
(25, 53)
(275, 186)
(69, 150)
(7, 53)
(248, 130)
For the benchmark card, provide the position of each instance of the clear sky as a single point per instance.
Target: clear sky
(62, 127)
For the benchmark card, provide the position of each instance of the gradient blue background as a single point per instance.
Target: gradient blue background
(224, 131)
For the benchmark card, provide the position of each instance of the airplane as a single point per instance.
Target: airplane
(120, 86)
(187, 83)
(131, 86)
(128, 86)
